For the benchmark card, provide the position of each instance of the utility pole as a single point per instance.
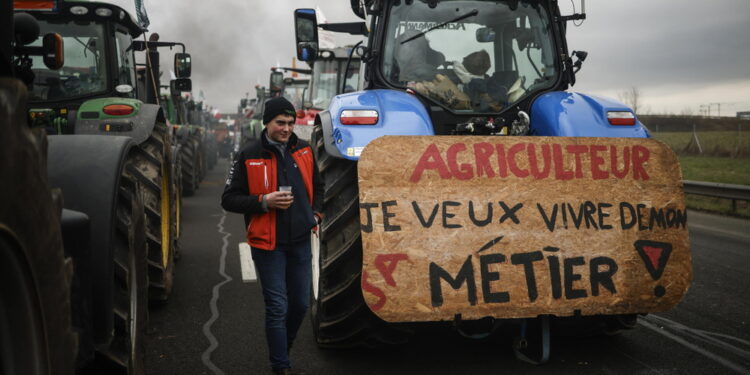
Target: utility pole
(705, 110)
(718, 106)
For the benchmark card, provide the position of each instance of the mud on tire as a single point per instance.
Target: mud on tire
(130, 289)
(149, 164)
(339, 315)
(37, 330)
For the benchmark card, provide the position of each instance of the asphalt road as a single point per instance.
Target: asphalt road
(213, 323)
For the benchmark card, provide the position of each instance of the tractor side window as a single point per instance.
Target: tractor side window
(325, 78)
(125, 61)
(529, 57)
(351, 77)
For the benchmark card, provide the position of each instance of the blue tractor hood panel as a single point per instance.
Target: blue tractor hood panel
(399, 113)
(579, 115)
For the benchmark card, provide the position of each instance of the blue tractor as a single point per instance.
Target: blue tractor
(439, 68)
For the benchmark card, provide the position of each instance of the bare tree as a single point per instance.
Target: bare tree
(687, 111)
(632, 98)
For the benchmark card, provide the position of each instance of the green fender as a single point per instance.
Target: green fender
(139, 124)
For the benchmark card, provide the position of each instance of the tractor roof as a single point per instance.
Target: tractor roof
(94, 11)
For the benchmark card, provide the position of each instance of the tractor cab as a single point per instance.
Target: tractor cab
(470, 61)
(295, 91)
(99, 73)
(96, 64)
(472, 56)
(331, 77)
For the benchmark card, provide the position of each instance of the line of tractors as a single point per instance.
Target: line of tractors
(96, 156)
(324, 79)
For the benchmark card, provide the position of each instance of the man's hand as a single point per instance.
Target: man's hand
(279, 199)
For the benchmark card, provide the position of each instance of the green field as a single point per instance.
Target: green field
(715, 169)
(725, 159)
(718, 143)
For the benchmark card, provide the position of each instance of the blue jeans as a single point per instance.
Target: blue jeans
(284, 275)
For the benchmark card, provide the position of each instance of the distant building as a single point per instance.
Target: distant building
(744, 115)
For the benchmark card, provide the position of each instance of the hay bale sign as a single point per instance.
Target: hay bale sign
(515, 227)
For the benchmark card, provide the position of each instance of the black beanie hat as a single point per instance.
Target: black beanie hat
(278, 106)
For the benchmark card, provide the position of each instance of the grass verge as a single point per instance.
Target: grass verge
(715, 169)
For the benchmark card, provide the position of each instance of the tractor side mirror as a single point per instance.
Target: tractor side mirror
(243, 103)
(182, 65)
(277, 81)
(53, 51)
(181, 85)
(485, 35)
(27, 32)
(306, 33)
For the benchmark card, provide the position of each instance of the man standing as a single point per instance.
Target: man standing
(278, 222)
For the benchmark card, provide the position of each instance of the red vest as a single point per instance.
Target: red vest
(261, 178)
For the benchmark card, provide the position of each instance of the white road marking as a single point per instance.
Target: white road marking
(206, 356)
(652, 322)
(246, 263)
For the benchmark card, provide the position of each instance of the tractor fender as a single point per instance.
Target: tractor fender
(569, 114)
(87, 168)
(139, 125)
(399, 113)
(324, 119)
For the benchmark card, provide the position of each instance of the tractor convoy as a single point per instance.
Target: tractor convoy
(93, 179)
(464, 182)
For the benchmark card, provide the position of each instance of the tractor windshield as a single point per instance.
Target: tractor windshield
(85, 68)
(295, 93)
(470, 56)
(328, 80)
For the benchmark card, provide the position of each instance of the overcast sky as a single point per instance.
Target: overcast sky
(679, 53)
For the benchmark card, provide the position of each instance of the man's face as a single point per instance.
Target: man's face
(280, 128)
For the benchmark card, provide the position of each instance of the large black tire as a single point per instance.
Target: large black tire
(151, 166)
(36, 336)
(201, 147)
(130, 284)
(190, 167)
(177, 199)
(339, 315)
(211, 151)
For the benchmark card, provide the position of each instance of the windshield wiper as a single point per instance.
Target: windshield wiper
(87, 46)
(459, 18)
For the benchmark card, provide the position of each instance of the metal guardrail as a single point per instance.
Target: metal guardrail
(718, 190)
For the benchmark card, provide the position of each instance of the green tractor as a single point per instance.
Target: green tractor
(96, 93)
(192, 137)
(110, 165)
(252, 129)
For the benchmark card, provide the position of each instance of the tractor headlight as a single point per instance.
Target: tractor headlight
(79, 10)
(103, 12)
